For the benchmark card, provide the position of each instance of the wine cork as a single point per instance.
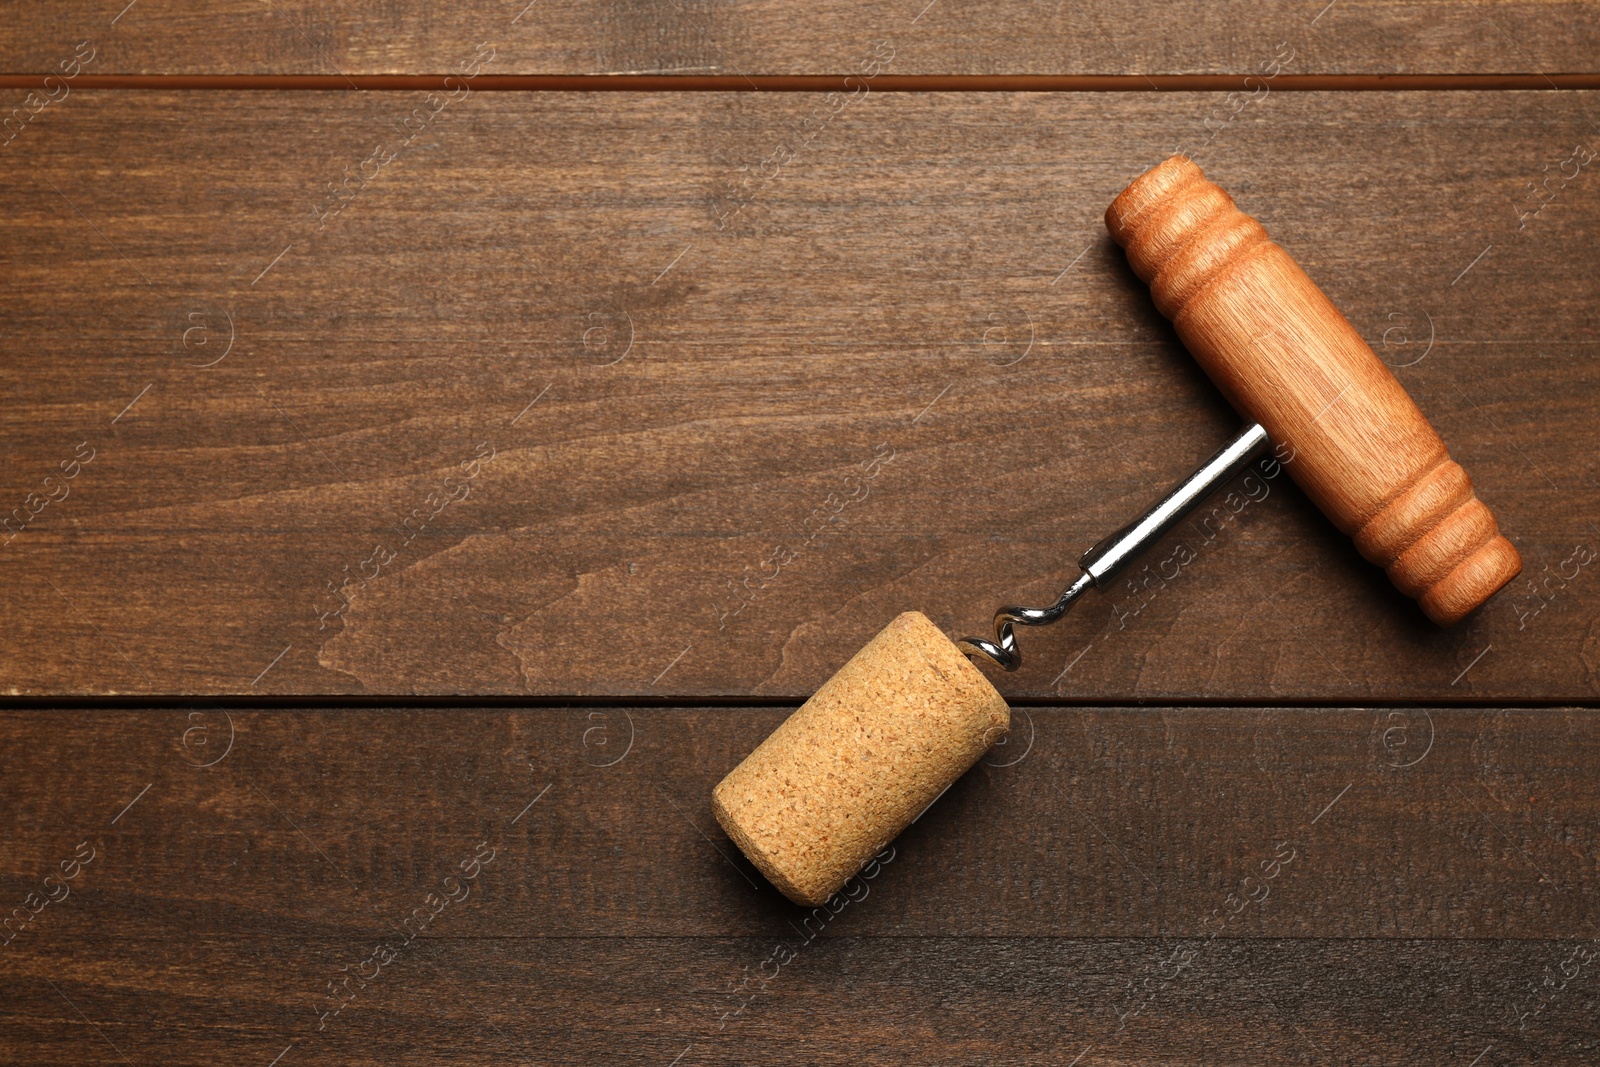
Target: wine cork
(860, 760)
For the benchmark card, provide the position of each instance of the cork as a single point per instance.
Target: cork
(860, 760)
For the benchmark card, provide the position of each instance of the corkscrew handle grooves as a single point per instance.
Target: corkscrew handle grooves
(1285, 357)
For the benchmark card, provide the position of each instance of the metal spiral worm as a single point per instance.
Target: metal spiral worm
(1102, 562)
(1003, 649)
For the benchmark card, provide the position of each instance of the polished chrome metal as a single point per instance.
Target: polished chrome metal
(1105, 559)
(1005, 652)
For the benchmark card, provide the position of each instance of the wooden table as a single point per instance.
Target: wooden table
(401, 478)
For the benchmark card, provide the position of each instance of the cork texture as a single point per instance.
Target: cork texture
(860, 760)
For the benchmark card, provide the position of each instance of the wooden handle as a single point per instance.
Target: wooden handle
(1284, 356)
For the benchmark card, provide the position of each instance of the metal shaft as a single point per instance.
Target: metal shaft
(1102, 562)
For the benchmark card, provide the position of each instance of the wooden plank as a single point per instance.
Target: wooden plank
(695, 37)
(1344, 884)
(842, 1000)
(907, 361)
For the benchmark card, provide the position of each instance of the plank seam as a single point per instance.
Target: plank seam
(713, 703)
(824, 83)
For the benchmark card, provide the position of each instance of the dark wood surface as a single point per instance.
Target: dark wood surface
(927, 281)
(1414, 872)
(697, 37)
(675, 366)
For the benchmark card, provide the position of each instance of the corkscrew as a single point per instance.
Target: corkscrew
(1286, 358)
(910, 713)
(1102, 563)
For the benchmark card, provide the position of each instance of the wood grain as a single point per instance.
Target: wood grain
(1342, 426)
(710, 349)
(547, 394)
(1082, 889)
(769, 37)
